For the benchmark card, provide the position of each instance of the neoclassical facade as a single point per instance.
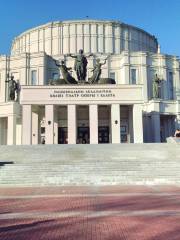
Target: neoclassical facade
(46, 111)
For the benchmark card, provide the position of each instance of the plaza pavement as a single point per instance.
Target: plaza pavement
(90, 213)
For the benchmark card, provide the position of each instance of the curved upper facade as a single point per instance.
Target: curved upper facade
(91, 35)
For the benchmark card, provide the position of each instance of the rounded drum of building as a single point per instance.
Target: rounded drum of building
(91, 35)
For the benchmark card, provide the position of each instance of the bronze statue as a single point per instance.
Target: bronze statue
(65, 73)
(80, 65)
(14, 88)
(156, 86)
(97, 71)
(18, 88)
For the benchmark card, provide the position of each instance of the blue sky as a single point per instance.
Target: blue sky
(159, 17)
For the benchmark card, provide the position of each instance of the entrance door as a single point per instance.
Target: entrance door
(103, 134)
(83, 135)
(124, 133)
(62, 135)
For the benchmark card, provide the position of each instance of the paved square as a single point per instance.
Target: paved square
(90, 213)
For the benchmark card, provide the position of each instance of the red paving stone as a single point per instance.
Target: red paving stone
(84, 190)
(100, 213)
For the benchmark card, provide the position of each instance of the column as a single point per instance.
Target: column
(3, 133)
(42, 70)
(72, 128)
(163, 71)
(142, 79)
(138, 123)
(35, 128)
(115, 123)
(3, 85)
(130, 120)
(11, 138)
(93, 123)
(125, 69)
(155, 117)
(24, 69)
(26, 125)
(55, 127)
(177, 121)
(49, 124)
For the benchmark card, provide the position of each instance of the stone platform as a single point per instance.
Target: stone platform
(90, 213)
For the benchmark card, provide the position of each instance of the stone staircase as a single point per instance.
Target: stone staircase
(103, 164)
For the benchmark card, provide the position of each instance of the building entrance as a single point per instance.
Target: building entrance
(103, 134)
(62, 135)
(83, 135)
(167, 126)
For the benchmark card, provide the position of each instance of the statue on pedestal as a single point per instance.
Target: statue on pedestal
(156, 87)
(80, 65)
(14, 87)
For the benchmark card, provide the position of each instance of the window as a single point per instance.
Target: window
(133, 76)
(170, 86)
(33, 77)
(112, 75)
(55, 76)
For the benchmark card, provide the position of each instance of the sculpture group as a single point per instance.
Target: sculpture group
(80, 67)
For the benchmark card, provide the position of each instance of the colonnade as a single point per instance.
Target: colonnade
(30, 126)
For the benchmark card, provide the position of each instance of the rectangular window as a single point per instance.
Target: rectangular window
(34, 77)
(112, 75)
(133, 76)
(55, 76)
(171, 86)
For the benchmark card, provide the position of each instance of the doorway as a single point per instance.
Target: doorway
(62, 135)
(103, 134)
(83, 135)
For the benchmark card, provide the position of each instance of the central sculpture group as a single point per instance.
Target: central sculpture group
(80, 66)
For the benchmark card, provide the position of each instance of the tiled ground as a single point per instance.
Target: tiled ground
(90, 213)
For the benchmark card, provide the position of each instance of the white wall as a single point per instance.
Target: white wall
(93, 36)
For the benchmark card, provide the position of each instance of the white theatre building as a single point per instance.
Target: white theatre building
(45, 111)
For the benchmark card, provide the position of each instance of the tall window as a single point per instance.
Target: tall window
(33, 77)
(112, 75)
(133, 76)
(171, 86)
(55, 76)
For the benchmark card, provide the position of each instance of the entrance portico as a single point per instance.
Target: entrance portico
(93, 115)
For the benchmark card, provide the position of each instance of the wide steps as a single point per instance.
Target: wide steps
(105, 164)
